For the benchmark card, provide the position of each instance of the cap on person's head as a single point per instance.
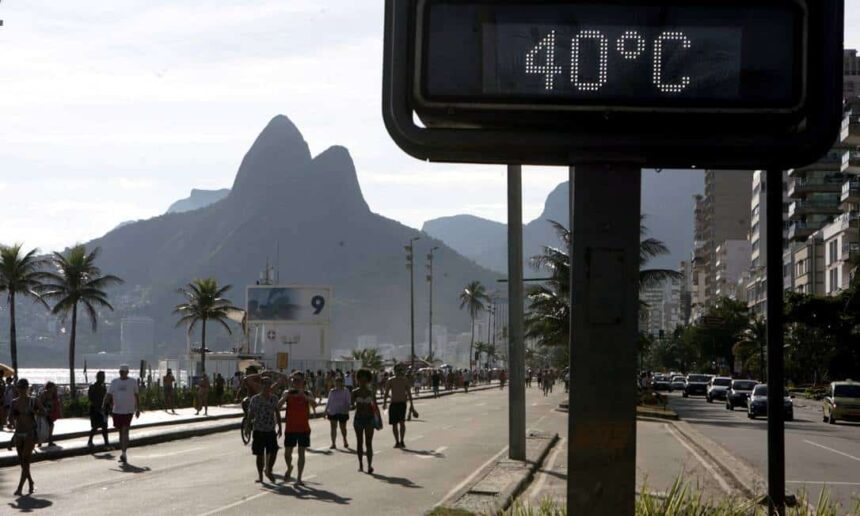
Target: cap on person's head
(123, 367)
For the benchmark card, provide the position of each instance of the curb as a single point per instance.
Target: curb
(744, 478)
(174, 435)
(494, 502)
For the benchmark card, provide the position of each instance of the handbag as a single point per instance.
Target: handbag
(377, 416)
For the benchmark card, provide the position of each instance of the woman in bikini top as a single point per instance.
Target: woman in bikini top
(24, 410)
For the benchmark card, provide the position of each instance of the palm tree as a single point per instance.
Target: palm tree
(19, 275)
(473, 298)
(548, 320)
(204, 301)
(77, 280)
(480, 347)
(369, 358)
(752, 341)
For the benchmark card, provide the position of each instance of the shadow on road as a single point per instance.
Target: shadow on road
(306, 492)
(398, 481)
(104, 456)
(30, 503)
(425, 453)
(130, 468)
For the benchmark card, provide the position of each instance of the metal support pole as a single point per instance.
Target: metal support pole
(605, 210)
(516, 348)
(775, 338)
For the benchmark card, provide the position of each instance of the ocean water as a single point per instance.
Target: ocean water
(61, 376)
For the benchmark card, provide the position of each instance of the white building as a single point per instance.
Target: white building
(663, 310)
(732, 261)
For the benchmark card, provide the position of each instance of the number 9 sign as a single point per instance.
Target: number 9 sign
(289, 304)
(318, 303)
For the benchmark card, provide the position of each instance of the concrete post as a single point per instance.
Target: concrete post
(516, 345)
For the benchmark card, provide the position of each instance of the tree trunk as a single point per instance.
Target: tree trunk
(13, 342)
(472, 343)
(203, 349)
(72, 338)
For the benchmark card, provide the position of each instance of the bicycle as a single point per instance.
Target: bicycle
(247, 427)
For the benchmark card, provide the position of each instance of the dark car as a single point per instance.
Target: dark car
(696, 385)
(757, 404)
(718, 388)
(661, 383)
(739, 392)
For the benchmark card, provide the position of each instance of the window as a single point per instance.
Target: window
(834, 280)
(833, 254)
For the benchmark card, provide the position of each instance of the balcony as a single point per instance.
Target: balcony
(813, 207)
(835, 160)
(850, 220)
(800, 231)
(851, 192)
(853, 138)
(802, 186)
(850, 250)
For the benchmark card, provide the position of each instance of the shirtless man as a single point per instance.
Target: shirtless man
(168, 381)
(399, 388)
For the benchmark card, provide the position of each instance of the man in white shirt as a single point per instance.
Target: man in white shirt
(124, 402)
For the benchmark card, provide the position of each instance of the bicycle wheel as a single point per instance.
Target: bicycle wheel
(246, 430)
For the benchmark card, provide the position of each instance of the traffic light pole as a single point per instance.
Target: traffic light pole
(516, 345)
(605, 210)
(775, 339)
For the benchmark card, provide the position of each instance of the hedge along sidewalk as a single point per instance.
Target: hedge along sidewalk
(157, 426)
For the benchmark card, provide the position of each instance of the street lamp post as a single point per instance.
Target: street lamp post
(430, 282)
(410, 248)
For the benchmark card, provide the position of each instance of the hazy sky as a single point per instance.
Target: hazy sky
(110, 110)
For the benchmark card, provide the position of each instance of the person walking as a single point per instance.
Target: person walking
(50, 400)
(219, 388)
(298, 403)
(398, 388)
(123, 402)
(22, 412)
(363, 399)
(467, 379)
(96, 394)
(203, 395)
(337, 411)
(264, 414)
(436, 380)
(503, 377)
(169, 391)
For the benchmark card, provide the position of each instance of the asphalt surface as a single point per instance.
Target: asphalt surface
(662, 457)
(455, 437)
(818, 455)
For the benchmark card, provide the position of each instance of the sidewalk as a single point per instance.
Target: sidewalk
(153, 427)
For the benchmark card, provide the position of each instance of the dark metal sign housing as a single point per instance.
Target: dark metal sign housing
(675, 83)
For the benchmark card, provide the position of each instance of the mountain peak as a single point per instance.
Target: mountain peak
(279, 149)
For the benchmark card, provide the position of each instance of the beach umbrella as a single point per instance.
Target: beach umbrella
(6, 371)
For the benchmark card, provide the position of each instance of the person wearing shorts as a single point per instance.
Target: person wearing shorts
(362, 399)
(299, 404)
(264, 414)
(337, 411)
(96, 394)
(399, 388)
(123, 401)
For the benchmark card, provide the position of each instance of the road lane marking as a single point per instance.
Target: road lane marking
(720, 480)
(481, 404)
(832, 450)
(550, 465)
(447, 427)
(471, 477)
(170, 454)
(823, 483)
(245, 500)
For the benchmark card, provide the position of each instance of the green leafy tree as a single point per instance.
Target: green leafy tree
(369, 358)
(473, 298)
(20, 275)
(77, 281)
(204, 301)
(750, 349)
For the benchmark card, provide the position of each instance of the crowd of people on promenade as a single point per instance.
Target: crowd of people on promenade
(265, 396)
(546, 379)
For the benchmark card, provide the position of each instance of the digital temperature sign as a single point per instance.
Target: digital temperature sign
(660, 83)
(607, 55)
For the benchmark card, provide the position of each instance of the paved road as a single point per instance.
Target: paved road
(817, 454)
(662, 456)
(215, 474)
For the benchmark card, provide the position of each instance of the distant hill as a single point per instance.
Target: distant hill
(313, 208)
(667, 202)
(198, 199)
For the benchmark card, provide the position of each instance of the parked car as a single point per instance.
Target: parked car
(661, 383)
(677, 384)
(696, 385)
(842, 401)
(718, 388)
(739, 392)
(757, 404)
